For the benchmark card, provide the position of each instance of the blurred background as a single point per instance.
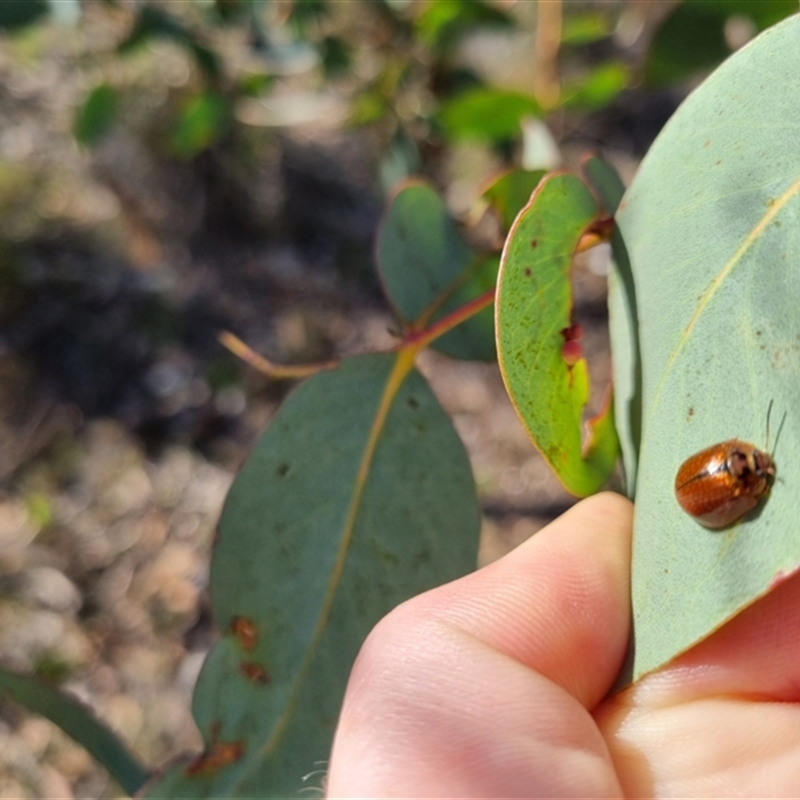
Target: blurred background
(172, 170)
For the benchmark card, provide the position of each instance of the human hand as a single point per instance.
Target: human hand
(494, 686)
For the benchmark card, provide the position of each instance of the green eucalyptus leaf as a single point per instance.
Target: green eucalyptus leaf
(428, 270)
(624, 320)
(512, 190)
(692, 38)
(442, 25)
(358, 496)
(474, 338)
(538, 348)
(19, 13)
(487, 114)
(598, 87)
(711, 226)
(77, 721)
(97, 114)
(202, 121)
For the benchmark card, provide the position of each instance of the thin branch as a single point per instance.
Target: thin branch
(413, 343)
(547, 88)
(418, 341)
(270, 368)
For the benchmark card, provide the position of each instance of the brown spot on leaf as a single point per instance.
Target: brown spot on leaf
(255, 673)
(245, 631)
(534, 243)
(527, 272)
(219, 755)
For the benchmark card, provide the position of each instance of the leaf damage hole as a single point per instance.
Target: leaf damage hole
(571, 350)
(245, 631)
(282, 470)
(413, 402)
(255, 673)
(572, 353)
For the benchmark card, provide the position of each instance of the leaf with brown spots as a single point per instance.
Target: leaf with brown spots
(539, 348)
(378, 504)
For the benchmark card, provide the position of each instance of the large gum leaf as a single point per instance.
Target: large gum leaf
(358, 496)
(538, 348)
(473, 339)
(428, 270)
(712, 227)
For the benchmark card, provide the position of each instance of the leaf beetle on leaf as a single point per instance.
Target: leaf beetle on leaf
(722, 483)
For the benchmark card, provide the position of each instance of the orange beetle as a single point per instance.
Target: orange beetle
(723, 482)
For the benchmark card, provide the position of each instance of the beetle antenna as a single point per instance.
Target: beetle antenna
(769, 411)
(778, 434)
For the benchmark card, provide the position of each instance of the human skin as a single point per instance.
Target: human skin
(496, 685)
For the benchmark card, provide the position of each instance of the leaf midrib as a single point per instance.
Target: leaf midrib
(705, 299)
(403, 365)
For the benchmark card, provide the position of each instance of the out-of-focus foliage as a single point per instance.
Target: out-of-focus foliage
(699, 34)
(202, 121)
(442, 25)
(152, 23)
(487, 114)
(420, 74)
(17, 13)
(599, 88)
(96, 116)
